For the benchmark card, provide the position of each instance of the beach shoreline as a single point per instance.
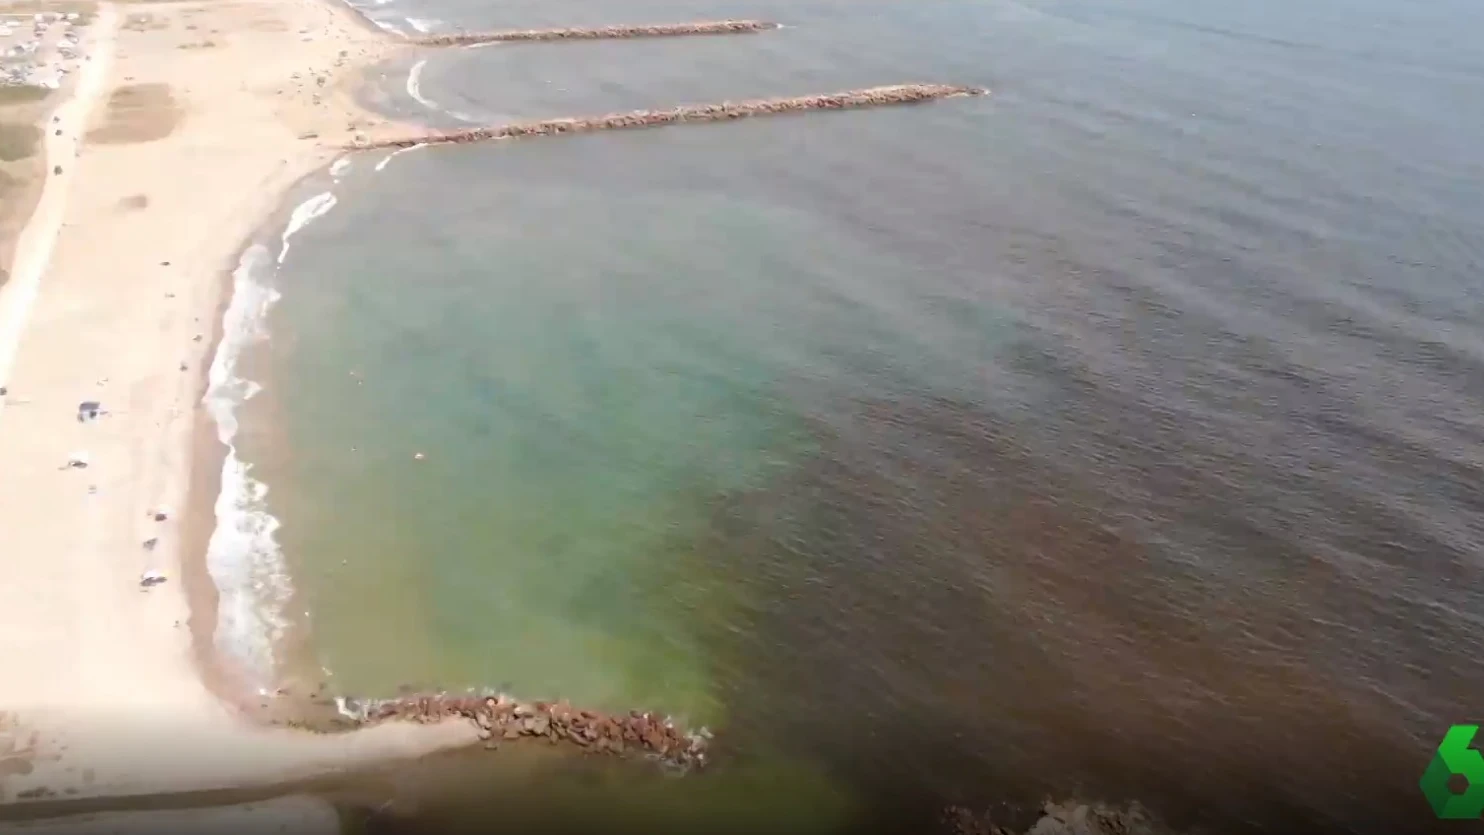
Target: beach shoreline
(223, 676)
(202, 124)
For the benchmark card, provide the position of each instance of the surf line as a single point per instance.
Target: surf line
(303, 214)
(386, 160)
(899, 94)
(414, 85)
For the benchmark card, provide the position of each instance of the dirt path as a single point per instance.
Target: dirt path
(62, 145)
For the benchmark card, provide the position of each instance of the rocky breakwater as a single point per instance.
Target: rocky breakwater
(726, 111)
(656, 30)
(502, 718)
(1063, 819)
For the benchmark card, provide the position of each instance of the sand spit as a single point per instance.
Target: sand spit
(725, 111)
(658, 30)
(500, 717)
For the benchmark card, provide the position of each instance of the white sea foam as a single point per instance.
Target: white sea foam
(303, 214)
(389, 157)
(371, 10)
(243, 557)
(414, 85)
(356, 711)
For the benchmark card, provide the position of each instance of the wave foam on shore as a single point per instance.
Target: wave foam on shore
(386, 160)
(304, 214)
(242, 556)
(414, 85)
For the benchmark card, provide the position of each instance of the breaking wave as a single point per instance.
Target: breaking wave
(414, 85)
(386, 160)
(304, 213)
(243, 557)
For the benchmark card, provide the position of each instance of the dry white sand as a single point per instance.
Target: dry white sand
(194, 121)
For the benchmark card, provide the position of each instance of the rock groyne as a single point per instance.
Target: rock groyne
(656, 30)
(500, 718)
(1069, 818)
(725, 111)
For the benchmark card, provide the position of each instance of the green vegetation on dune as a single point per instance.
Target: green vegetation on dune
(22, 94)
(17, 141)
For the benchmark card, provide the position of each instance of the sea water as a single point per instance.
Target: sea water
(1116, 434)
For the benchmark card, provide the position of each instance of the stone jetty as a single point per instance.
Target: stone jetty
(1069, 818)
(500, 718)
(595, 33)
(725, 111)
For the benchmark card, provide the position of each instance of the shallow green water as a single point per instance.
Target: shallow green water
(583, 392)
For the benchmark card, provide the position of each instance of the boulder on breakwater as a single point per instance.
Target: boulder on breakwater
(725, 111)
(655, 30)
(500, 717)
(1061, 819)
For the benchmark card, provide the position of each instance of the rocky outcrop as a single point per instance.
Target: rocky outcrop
(657, 30)
(1062, 819)
(500, 718)
(725, 111)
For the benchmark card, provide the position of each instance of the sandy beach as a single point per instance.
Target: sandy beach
(179, 134)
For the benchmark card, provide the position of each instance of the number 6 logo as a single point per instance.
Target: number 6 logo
(1456, 757)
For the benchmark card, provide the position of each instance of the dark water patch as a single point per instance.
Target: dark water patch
(1051, 634)
(538, 789)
